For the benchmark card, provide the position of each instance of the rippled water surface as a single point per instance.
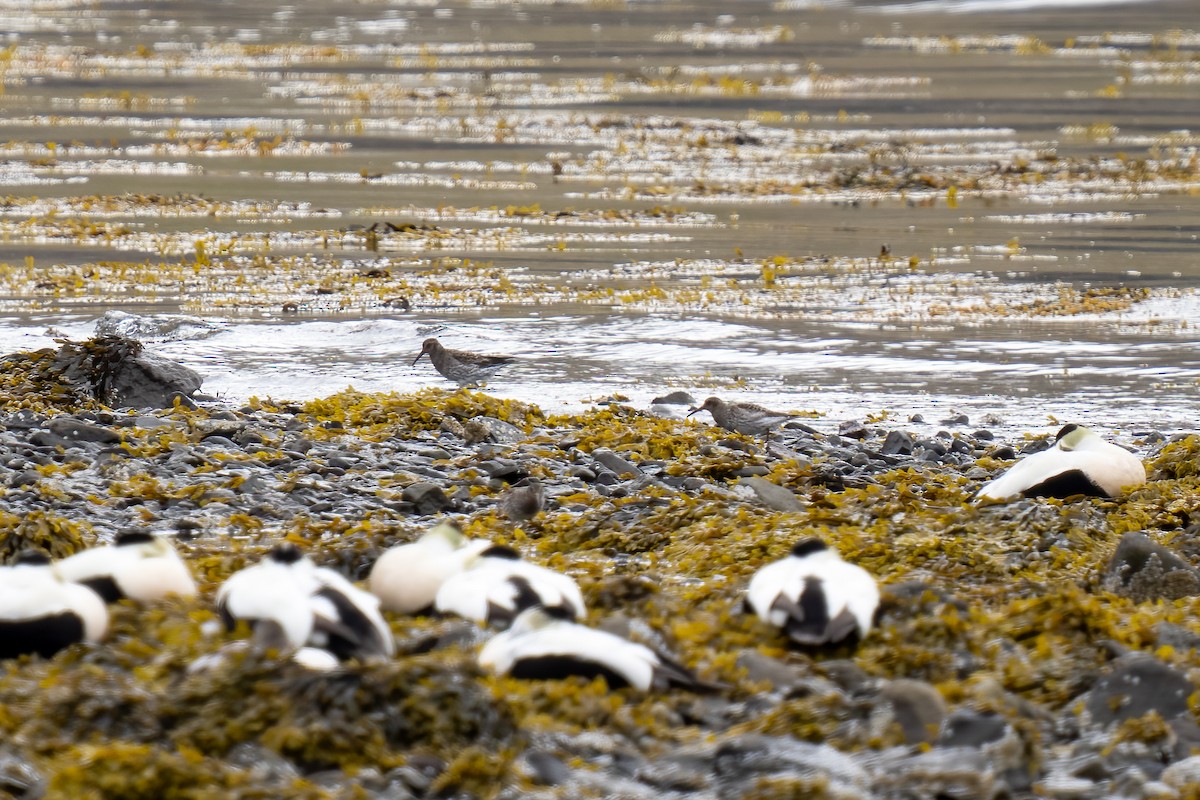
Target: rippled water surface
(920, 207)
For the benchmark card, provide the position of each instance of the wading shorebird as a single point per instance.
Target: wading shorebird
(746, 418)
(465, 369)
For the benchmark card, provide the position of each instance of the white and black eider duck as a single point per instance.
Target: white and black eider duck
(406, 578)
(543, 643)
(814, 596)
(1079, 462)
(498, 584)
(290, 603)
(137, 565)
(40, 613)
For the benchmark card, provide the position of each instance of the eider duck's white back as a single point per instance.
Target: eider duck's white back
(406, 578)
(40, 613)
(543, 644)
(498, 585)
(290, 603)
(137, 565)
(814, 596)
(274, 596)
(1079, 462)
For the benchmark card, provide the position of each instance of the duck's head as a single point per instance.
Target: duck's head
(1070, 436)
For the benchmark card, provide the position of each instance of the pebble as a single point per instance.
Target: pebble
(773, 495)
(1135, 685)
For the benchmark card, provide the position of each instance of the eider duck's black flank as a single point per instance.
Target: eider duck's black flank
(543, 643)
(43, 636)
(523, 597)
(813, 609)
(353, 635)
(1067, 484)
(558, 667)
(105, 586)
(41, 613)
(807, 546)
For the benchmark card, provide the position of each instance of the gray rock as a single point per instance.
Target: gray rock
(759, 667)
(19, 779)
(544, 768)
(151, 381)
(1136, 685)
(917, 707)
(967, 728)
(772, 495)
(957, 772)
(676, 398)
(615, 463)
(738, 761)
(427, 498)
(1142, 569)
(77, 430)
(853, 429)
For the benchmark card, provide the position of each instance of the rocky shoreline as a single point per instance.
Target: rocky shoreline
(1041, 648)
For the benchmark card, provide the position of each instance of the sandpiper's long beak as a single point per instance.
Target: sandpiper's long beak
(418, 358)
(694, 411)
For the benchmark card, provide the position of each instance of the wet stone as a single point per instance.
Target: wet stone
(760, 667)
(77, 430)
(427, 498)
(1136, 685)
(1142, 569)
(918, 708)
(853, 429)
(897, 443)
(545, 768)
(772, 495)
(967, 728)
(676, 398)
(617, 464)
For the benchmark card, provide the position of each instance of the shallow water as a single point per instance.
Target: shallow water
(799, 129)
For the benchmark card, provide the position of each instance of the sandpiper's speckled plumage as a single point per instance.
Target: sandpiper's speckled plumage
(746, 418)
(465, 369)
(524, 500)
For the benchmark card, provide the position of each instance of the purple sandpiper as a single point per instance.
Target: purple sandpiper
(746, 418)
(524, 500)
(465, 369)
